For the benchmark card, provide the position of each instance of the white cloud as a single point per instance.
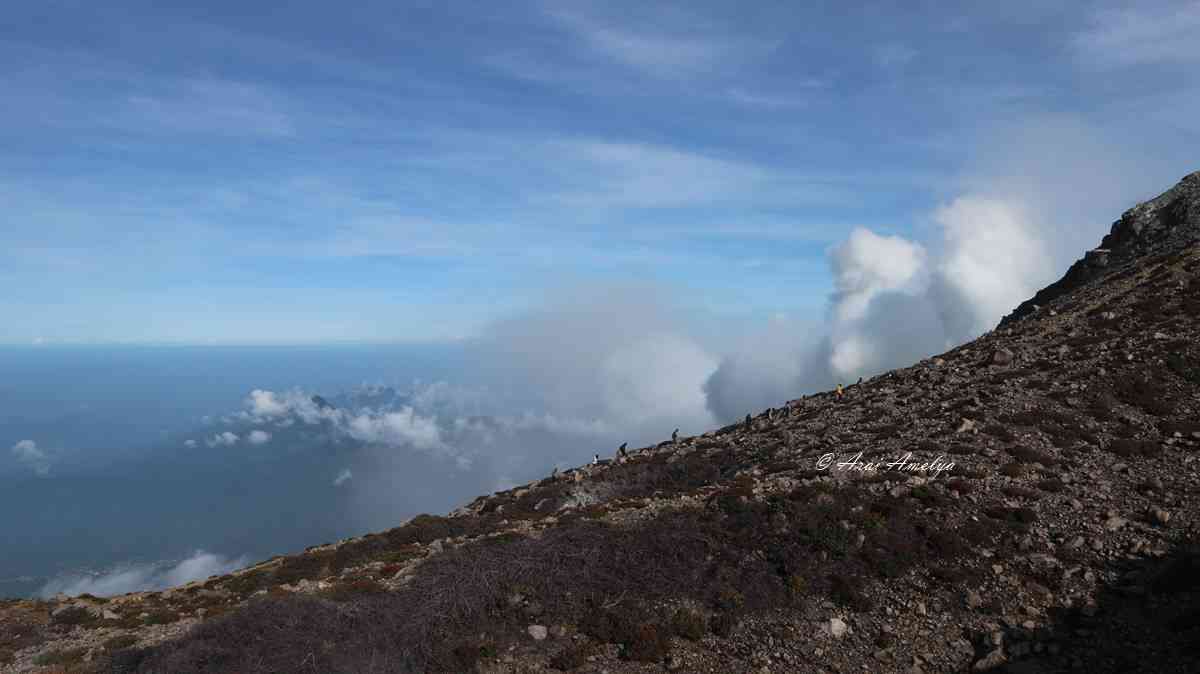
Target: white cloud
(142, 577)
(648, 48)
(266, 404)
(288, 406)
(994, 259)
(225, 439)
(343, 477)
(27, 452)
(621, 355)
(1149, 33)
(867, 264)
(257, 437)
(399, 428)
(190, 444)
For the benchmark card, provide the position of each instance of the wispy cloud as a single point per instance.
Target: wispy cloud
(894, 56)
(692, 49)
(1149, 33)
(779, 100)
(212, 106)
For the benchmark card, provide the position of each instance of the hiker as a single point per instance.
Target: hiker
(675, 435)
(621, 450)
(840, 392)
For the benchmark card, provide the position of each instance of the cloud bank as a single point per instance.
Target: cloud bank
(142, 577)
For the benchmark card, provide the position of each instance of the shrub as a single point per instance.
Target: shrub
(341, 592)
(689, 624)
(724, 624)
(738, 561)
(118, 643)
(74, 615)
(1014, 469)
(572, 657)
(1127, 447)
(1051, 485)
(649, 643)
(249, 582)
(961, 486)
(846, 591)
(160, 617)
(1013, 491)
(309, 566)
(1184, 428)
(1144, 391)
(1028, 455)
(64, 657)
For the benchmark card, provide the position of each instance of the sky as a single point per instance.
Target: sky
(310, 172)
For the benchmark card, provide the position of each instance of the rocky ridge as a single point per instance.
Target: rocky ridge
(1063, 537)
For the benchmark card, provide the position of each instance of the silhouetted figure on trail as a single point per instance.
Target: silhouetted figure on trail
(675, 435)
(621, 450)
(840, 392)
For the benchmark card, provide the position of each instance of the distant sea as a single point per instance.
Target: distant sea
(106, 413)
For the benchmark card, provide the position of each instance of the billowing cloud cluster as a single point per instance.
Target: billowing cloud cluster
(402, 427)
(28, 454)
(896, 301)
(142, 577)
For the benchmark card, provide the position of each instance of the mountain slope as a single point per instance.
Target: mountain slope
(1061, 538)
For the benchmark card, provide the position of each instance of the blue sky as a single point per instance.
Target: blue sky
(304, 172)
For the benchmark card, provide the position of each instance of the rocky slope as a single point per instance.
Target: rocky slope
(1027, 502)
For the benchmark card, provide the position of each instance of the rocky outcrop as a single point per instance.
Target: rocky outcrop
(1163, 224)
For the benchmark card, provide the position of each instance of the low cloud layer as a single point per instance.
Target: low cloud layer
(142, 577)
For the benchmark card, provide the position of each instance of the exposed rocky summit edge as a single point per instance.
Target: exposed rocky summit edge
(1167, 222)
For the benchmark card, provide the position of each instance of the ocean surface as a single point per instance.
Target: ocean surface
(119, 491)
